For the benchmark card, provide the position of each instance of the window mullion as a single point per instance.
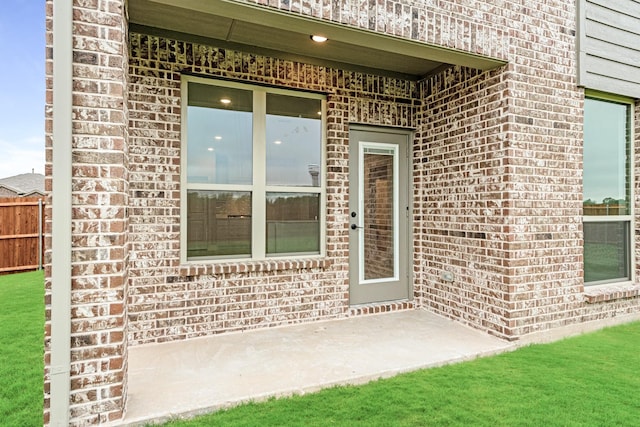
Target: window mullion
(258, 233)
(292, 189)
(215, 203)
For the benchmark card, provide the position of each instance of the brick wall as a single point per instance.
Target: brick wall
(503, 184)
(169, 301)
(500, 201)
(466, 26)
(48, 124)
(636, 185)
(99, 219)
(461, 197)
(497, 161)
(497, 173)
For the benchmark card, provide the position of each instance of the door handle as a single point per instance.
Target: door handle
(353, 226)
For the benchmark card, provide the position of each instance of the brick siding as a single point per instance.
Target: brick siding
(497, 184)
(100, 199)
(169, 301)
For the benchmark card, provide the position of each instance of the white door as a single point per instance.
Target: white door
(379, 243)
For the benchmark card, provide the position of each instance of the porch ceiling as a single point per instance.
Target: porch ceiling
(273, 32)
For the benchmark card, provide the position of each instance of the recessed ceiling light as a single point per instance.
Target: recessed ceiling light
(225, 101)
(277, 142)
(210, 149)
(318, 39)
(217, 137)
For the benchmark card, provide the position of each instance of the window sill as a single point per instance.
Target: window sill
(611, 292)
(236, 266)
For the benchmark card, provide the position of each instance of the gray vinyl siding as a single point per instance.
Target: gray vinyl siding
(609, 46)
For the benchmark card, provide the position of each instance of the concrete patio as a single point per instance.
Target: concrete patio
(186, 378)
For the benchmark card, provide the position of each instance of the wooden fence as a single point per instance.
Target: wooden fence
(21, 234)
(602, 209)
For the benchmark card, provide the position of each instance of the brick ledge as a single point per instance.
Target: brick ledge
(610, 293)
(382, 307)
(253, 266)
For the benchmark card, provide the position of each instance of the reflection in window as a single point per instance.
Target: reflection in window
(379, 239)
(607, 191)
(606, 251)
(219, 150)
(253, 169)
(293, 223)
(293, 141)
(606, 168)
(219, 223)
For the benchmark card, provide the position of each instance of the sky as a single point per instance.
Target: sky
(22, 87)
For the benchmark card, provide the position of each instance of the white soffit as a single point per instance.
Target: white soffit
(258, 27)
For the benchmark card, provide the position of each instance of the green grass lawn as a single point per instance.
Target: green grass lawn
(21, 348)
(591, 380)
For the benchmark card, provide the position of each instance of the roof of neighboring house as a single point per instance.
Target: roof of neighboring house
(26, 184)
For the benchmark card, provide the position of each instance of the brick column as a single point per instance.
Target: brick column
(99, 212)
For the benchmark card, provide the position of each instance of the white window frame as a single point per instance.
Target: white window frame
(258, 188)
(629, 218)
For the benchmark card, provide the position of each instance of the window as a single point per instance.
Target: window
(607, 201)
(253, 175)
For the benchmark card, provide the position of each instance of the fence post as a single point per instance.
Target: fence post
(40, 242)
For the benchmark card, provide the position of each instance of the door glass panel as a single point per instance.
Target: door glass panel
(378, 207)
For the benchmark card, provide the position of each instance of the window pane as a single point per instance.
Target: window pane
(219, 136)
(293, 223)
(294, 141)
(218, 223)
(606, 251)
(606, 158)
